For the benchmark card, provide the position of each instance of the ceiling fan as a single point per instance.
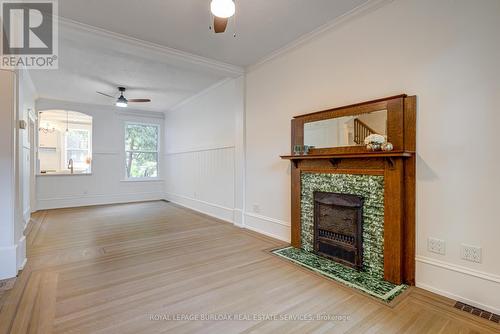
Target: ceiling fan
(121, 101)
(222, 10)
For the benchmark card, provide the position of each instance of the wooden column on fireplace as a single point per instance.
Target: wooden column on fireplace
(397, 167)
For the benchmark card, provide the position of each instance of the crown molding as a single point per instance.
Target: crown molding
(227, 69)
(361, 10)
(231, 71)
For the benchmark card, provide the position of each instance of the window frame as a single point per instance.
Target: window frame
(158, 142)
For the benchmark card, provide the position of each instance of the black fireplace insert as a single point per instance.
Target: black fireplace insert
(338, 227)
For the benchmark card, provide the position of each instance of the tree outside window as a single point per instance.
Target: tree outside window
(141, 150)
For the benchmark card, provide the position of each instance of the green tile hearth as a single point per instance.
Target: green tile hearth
(370, 280)
(360, 280)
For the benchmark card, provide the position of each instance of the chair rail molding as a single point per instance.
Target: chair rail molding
(459, 269)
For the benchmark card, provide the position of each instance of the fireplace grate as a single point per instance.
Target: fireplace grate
(347, 239)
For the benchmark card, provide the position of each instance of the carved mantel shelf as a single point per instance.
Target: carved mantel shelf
(335, 158)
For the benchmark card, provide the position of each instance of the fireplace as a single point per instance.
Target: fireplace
(338, 227)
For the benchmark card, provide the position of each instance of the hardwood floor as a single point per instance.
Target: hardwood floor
(117, 268)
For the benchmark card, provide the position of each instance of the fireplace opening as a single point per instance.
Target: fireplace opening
(338, 227)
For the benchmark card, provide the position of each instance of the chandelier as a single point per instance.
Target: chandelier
(46, 129)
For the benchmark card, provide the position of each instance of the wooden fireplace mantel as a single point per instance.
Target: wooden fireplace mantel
(397, 167)
(335, 158)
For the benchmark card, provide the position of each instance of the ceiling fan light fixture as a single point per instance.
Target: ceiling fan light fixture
(122, 102)
(223, 8)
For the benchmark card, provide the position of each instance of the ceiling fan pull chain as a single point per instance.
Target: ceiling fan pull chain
(234, 21)
(210, 17)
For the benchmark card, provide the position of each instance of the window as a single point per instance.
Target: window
(64, 142)
(141, 150)
(78, 147)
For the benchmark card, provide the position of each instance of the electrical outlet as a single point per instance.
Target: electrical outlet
(471, 253)
(256, 208)
(437, 246)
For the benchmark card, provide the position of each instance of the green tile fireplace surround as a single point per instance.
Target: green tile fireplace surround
(371, 278)
(382, 189)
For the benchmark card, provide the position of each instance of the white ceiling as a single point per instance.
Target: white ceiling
(262, 26)
(163, 50)
(90, 62)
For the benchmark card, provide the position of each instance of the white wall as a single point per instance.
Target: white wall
(26, 96)
(204, 141)
(8, 242)
(447, 53)
(17, 97)
(107, 182)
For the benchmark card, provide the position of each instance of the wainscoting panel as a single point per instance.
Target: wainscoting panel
(271, 227)
(202, 180)
(98, 199)
(106, 185)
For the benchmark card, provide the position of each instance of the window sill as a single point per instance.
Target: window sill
(143, 180)
(63, 174)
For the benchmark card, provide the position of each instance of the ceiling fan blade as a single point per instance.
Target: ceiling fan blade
(139, 100)
(220, 24)
(107, 95)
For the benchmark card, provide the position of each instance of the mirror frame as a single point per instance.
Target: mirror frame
(395, 106)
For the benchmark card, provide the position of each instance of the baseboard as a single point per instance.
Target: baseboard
(102, 199)
(211, 209)
(469, 286)
(27, 220)
(22, 264)
(8, 262)
(21, 253)
(27, 216)
(271, 227)
(27, 227)
(264, 225)
(13, 259)
(239, 218)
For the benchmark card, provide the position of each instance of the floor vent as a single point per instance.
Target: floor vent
(477, 311)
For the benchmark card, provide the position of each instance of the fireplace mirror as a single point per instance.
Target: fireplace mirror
(345, 131)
